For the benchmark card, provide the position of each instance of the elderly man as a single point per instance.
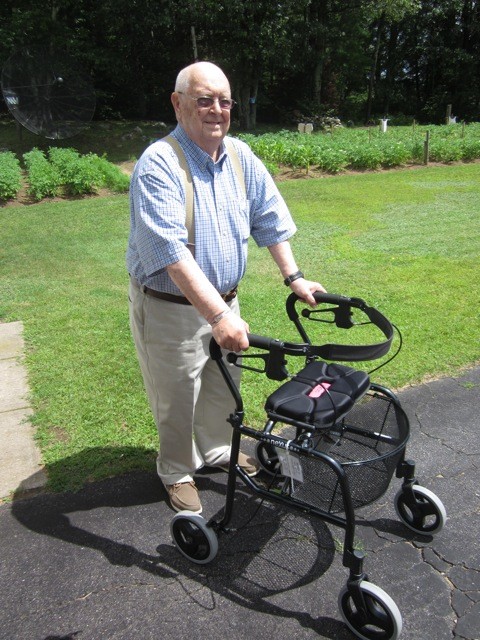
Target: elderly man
(183, 292)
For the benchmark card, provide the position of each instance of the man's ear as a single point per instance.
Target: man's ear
(175, 98)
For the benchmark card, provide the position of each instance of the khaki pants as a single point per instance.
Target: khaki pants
(188, 396)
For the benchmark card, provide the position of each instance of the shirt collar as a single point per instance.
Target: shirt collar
(197, 154)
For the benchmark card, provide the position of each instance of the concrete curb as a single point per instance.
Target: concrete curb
(20, 461)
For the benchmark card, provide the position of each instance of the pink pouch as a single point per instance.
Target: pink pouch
(319, 390)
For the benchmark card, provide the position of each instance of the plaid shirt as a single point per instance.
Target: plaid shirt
(224, 216)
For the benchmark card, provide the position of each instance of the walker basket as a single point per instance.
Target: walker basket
(368, 443)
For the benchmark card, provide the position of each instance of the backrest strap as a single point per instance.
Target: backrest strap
(188, 182)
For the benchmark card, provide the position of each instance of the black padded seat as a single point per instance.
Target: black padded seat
(320, 394)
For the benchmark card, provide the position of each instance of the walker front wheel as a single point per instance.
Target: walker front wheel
(380, 618)
(424, 514)
(193, 537)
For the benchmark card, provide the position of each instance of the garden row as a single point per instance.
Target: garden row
(66, 172)
(60, 172)
(359, 149)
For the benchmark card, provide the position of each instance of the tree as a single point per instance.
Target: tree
(355, 57)
(386, 14)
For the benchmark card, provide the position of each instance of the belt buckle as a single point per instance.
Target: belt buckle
(230, 295)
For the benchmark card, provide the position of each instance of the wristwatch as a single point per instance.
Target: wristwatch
(294, 276)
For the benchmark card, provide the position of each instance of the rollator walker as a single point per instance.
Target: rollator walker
(331, 443)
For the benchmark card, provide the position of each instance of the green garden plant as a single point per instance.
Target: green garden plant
(10, 175)
(78, 173)
(43, 178)
(112, 177)
(366, 149)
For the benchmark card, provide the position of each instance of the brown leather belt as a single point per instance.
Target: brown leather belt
(169, 297)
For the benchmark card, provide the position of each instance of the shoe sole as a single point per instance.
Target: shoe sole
(178, 509)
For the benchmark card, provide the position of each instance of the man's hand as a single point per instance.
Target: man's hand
(231, 333)
(305, 288)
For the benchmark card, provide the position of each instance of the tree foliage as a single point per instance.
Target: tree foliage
(360, 59)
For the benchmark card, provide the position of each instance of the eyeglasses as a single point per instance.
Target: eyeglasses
(207, 102)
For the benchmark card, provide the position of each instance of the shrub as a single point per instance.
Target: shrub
(78, 173)
(470, 149)
(395, 154)
(112, 177)
(43, 178)
(10, 175)
(364, 156)
(332, 160)
(445, 150)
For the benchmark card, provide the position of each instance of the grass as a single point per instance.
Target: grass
(406, 241)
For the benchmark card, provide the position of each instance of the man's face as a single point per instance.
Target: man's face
(208, 126)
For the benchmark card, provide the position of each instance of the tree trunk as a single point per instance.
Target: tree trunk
(373, 70)
(317, 82)
(391, 66)
(247, 97)
(244, 105)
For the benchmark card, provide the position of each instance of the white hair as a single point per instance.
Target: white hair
(184, 78)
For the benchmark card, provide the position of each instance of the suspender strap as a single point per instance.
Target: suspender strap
(237, 167)
(188, 182)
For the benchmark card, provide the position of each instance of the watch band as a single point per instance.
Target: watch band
(291, 278)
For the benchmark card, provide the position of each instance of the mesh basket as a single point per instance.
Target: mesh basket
(368, 443)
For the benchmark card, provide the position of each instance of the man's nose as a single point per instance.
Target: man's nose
(216, 106)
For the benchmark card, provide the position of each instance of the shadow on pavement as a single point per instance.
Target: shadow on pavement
(268, 554)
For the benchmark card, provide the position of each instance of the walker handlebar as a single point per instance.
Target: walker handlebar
(261, 342)
(343, 302)
(342, 312)
(274, 360)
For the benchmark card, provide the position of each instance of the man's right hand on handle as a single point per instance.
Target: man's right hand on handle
(231, 333)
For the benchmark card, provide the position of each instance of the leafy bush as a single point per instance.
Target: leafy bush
(444, 150)
(64, 170)
(362, 156)
(10, 175)
(396, 154)
(78, 173)
(332, 160)
(112, 177)
(471, 149)
(43, 178)
(87, 173)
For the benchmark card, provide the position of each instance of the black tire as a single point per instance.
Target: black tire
(193, 537)
(267, 458)
(427, 516)
(383, 622)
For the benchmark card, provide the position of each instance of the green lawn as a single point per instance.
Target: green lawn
(406, 241)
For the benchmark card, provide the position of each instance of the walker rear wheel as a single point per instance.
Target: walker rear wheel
(267, 457)
(193, 537)
(381, 619)
(426, 515)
